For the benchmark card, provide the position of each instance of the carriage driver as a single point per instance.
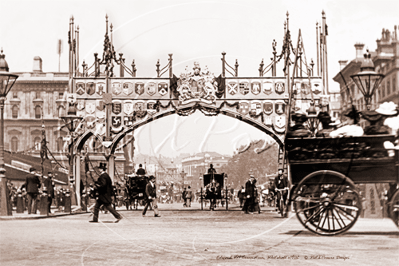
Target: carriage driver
(281, 182)
(140, 171)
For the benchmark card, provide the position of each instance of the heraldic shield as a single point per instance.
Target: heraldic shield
(80, 88)
(100, 88)
(256, 87)
(280, 107)
(116, 107)
(244, 87)
(267, 87)
(279, 123)
(127, 88)
(243, 108)
(90, 107)
(90, 88)
(280, 87)
(232, 88)
(150, 88)
(163, 88)
(128, 107)
(268, 107)
(139, 88)
(80, 105)
(256, 108)
(116, 88)
(116, 123)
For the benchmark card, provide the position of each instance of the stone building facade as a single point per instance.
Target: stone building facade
(386, 62)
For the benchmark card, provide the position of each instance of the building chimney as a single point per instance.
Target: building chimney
(359, 50)
(37, 64)
(342, 64)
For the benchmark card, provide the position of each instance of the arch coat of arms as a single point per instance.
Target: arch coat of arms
(197, 86)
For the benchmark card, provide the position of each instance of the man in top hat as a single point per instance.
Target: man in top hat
(250, 195)
(105, 193)
(211, 170)
(48, 183)
(298, 130)
(32, 185)
(151, 193)
(140, 171)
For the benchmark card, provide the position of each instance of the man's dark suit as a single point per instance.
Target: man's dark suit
(151, 193)
(250, 196)
(32, 185)
(105, 193)
(48, 184)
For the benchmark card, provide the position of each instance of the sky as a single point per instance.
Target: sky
(192, 31)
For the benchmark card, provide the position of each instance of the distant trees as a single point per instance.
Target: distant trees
(260, 164)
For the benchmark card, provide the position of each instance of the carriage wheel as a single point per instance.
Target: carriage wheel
(394, 208)
(327, 202)
(282, 206)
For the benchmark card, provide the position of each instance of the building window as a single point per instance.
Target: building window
(14, 144)
(60, 95)
(15, 111)
(36, 143)
(60, 144)
(38, 112)
(15, 95)
(37, 95)
(383, 91)
(393, 85)
(388, 87)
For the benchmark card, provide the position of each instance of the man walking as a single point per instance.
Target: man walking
(105, 192)
(49, 185)
(32, 185)
(250, 195)
(151, 193)
(189, 196)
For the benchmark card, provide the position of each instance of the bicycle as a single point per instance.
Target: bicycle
(282, 205)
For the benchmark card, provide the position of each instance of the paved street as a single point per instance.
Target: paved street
(192, 237)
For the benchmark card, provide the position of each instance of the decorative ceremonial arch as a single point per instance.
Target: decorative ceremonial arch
(113, 107)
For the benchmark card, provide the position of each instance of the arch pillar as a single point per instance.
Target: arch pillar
(77, 179)
(111, 167)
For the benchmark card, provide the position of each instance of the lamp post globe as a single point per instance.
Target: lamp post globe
(7, 80)
(367, 80)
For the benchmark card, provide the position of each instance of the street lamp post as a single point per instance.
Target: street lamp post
(202, 183)
(182, 176)
(367, 80)
(71, 121)
(7, 80)
(225, 187)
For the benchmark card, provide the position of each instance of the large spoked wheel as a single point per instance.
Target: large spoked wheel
(327, 202)
(393, 208)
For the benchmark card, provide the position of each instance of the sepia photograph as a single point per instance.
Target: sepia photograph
(199, 132)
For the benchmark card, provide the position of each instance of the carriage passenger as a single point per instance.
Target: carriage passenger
(211, 170)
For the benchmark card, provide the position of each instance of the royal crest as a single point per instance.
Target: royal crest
(279, 123)
(243, 108)
(128, 107)
(268, 107)
(150, 88)
(197, 86)
(139, 88)
(90, 88)
(232, 88)
(244, 87)
(163, 88)
(256, 108)
(80, 88)
(267, 87)
(80, 105)
(256, 87)
(280, 87)
(116, 88)
(116, 107)
(279, 107)
(127, 88)
(100, 88)
(90, 107)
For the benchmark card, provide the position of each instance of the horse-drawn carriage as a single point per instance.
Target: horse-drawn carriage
(213, 184)
(325, 171)
(135, 191)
